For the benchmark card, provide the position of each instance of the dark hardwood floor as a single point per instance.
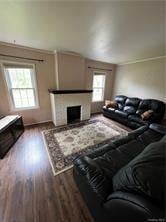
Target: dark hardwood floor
(28, 190)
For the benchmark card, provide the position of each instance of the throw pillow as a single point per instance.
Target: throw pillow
(147, 114)
(110, 104)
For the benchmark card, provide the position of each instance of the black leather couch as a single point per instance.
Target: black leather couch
(129, 111)
(107, 191)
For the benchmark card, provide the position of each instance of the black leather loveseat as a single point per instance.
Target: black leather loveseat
(129, 110)
(124, 180)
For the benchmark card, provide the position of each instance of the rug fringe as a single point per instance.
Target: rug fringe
(50, 159)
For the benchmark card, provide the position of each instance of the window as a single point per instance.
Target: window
(21, 84)
(98, 87)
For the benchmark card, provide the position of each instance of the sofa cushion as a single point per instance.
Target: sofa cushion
(145, 173)
(129, 109)
(120, 101)
(133, 124)
(121, 113)
(110, 162)
(150, 136)
(120, 106)
(132, 148)
(101, 150)
(137, 119)
(132, 102)
(151, 104)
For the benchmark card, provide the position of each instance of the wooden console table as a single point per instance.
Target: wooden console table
(11, 127)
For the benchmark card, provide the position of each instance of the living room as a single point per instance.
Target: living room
(82, 111)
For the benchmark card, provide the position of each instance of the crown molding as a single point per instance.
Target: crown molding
(99, 61)
(76, 54)
(26, 47)
(68, 53)
(141, 60)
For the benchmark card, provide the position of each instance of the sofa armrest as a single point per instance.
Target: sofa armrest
(158, 128)
(101, 150)
(94, 176)
(131, 207)
(137, 132)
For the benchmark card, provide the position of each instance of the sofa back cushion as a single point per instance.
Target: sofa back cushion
(129, 109)
(131, 105)
(132, 102)
(120, 101)
(151, 104)
(145, 174)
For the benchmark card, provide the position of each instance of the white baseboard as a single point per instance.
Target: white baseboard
(30, 124)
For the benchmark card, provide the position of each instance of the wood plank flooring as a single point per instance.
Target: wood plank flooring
(28, 190)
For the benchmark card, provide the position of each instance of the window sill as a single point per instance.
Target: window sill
(99, 101)
(25, 108)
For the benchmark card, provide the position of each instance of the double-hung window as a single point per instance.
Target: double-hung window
(21, 83)
(98, 87)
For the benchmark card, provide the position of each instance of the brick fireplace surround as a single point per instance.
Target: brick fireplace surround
(61, 99)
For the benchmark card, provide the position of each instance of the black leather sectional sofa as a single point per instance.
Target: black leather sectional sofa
(129, 111)
(124, 180)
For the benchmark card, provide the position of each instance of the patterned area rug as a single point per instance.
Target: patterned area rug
(65, 143)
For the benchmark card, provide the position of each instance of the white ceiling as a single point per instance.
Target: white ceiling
(115, 31)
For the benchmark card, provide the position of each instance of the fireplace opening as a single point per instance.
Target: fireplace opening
(73, 114)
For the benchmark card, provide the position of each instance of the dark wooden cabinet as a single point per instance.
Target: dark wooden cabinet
(9, 135)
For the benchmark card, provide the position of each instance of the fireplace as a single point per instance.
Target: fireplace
(73, 114)
(70, 105)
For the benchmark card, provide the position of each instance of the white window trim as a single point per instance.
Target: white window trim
(98, 73)
(9, 94)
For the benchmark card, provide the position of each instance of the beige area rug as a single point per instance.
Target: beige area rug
(65, 143)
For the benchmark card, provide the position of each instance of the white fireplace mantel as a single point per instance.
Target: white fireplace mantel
(60, 100)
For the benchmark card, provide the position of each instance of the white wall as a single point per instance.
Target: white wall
(141, 79)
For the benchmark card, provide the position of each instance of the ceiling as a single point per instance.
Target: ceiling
(114, 31)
